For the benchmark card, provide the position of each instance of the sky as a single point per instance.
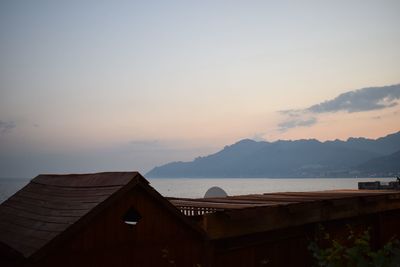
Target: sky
(91, 86)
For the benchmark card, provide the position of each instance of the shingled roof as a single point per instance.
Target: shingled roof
(51, 204)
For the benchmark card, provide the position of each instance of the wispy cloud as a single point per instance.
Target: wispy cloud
(361, 100)
(297, 122)
(6, 126)
(365, 99)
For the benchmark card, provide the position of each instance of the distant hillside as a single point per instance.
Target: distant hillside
(382, 165)
(300, 158)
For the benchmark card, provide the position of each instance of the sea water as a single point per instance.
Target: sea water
(195, 188)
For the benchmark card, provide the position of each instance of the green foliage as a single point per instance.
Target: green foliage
(356, 252)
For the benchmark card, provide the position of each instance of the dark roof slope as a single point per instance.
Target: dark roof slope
(50, 204)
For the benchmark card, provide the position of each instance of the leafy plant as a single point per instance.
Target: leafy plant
(355, 252)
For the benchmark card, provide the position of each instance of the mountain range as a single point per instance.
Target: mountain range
(299, 158)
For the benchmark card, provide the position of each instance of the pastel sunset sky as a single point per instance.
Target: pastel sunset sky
(128, 85)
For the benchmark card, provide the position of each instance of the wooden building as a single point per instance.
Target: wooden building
(84, 220)
(275, 229)
(118, 219)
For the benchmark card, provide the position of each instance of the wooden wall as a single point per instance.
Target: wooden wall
(159, 239)
(288, 247)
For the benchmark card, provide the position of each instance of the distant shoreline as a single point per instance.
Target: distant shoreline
(347, 177)
(315, 177)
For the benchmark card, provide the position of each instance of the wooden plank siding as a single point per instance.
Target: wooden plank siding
(159, 239)
(288, 246)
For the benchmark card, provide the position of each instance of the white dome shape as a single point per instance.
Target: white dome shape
(215, 191)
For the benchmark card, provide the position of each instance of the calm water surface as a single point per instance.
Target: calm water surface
(239, 186)
(181, 187)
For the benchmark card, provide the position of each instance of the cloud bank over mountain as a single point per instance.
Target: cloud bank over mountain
(365, 99)
(361, 100)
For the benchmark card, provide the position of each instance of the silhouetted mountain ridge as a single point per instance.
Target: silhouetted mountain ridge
(286, 158)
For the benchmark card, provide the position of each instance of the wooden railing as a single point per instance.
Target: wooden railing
(195, 211)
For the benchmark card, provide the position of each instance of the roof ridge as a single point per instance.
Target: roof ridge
(67, 186)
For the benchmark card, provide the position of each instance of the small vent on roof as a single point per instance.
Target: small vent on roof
(215, 191)
(132, 217)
